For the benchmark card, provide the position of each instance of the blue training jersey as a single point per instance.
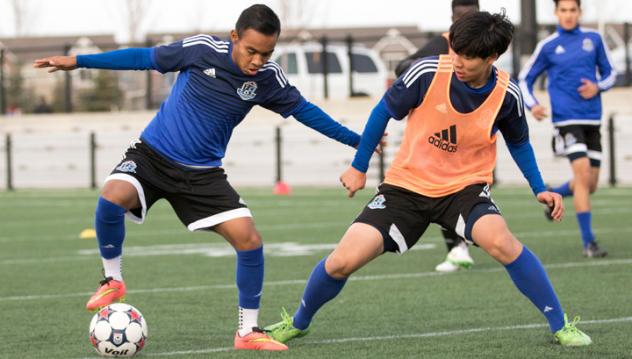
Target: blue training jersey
(409, 90)
(568, 57)
(210, 97)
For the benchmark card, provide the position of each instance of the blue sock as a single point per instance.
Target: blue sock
(564, 190)
(529, 276)
(250, 277)
(585, 227)
(320, 289)
(109, 223)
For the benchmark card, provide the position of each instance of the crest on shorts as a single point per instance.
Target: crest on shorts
(587, 45)
(127, 166)
(570, 139)
(377, 202)
(248, 90)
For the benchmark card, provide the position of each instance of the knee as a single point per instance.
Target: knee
(338, 266)
(504, 248)
(593, 188)
(252, 240)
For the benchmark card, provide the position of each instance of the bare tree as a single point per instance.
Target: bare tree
(137, 11)
(23, 16)
(294, 14)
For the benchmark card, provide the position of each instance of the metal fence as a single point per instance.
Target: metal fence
(149, 89)
(262, 155)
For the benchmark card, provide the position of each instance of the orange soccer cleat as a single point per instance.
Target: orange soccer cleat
(258, 340)
(109, 291)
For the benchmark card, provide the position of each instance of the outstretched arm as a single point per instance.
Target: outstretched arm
(125, 59)
(354, 178)
(312, 116)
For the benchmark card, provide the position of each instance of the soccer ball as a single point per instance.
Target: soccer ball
(118, 330)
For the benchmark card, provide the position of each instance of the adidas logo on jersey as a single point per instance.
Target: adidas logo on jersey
(559, 50)
(210, 72)
(444, 140)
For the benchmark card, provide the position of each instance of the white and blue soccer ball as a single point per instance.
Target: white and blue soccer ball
(118, 330)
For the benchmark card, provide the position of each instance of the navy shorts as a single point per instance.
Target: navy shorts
(201, 198)
(578, 141)
(402, 216)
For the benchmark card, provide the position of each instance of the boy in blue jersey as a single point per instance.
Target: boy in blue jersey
(571, 58)
(454, 105)
(179, 154)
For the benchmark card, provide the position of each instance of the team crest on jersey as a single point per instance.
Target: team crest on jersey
(377, 202)
(587, 45)
(248, 90)
(127, 166)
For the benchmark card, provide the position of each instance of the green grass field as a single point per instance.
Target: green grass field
(396, 307)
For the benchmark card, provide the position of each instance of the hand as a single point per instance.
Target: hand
(588, 89)
(554, 201)
(353, 180)
(65, 63)
(539, 112)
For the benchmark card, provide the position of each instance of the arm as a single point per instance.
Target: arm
(354, 178)
(606, 72)
(532, 70)
(512, 124)
(125, 59)
(312, 116)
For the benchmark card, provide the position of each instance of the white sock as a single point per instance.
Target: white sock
(248, 318)
(112, 268)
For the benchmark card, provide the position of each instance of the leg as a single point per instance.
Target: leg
(490, 232)
(360, 244)
(243, 236)
(117, 197)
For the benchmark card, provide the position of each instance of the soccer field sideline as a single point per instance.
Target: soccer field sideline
(587, 263)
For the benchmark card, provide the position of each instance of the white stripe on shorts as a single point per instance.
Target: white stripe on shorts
(141, 195)
(219, 218)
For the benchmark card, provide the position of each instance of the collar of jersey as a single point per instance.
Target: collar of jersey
(562, 31)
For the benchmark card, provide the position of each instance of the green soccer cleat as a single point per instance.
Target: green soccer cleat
(570, 336)
(284, 330)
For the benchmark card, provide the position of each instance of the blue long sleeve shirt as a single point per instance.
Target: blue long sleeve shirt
(211, 97)
(568, 56)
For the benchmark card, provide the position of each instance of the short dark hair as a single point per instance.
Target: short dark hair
(456, 3)
(481, 34)
(260, 18)
(557, 2)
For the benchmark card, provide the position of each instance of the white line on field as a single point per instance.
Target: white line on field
(395, 337)
(519, 235)
(587, 263)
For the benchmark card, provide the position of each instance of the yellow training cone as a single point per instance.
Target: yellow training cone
(88, 233)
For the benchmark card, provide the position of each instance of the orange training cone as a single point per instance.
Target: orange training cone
(282, 189)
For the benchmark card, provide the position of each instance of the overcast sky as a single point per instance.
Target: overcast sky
(62, 17)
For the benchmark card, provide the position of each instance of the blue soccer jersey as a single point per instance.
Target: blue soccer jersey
(568, 56)
(210, 97)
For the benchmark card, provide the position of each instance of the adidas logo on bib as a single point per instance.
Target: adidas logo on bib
(445, 140)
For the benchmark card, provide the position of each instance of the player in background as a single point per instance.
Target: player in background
(179, 154)
(442, 172)
(571, 58)
(458, 254)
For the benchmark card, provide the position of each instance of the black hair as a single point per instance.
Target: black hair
(557, 2)
(456, 3)
(481, 34)
(260, 18)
